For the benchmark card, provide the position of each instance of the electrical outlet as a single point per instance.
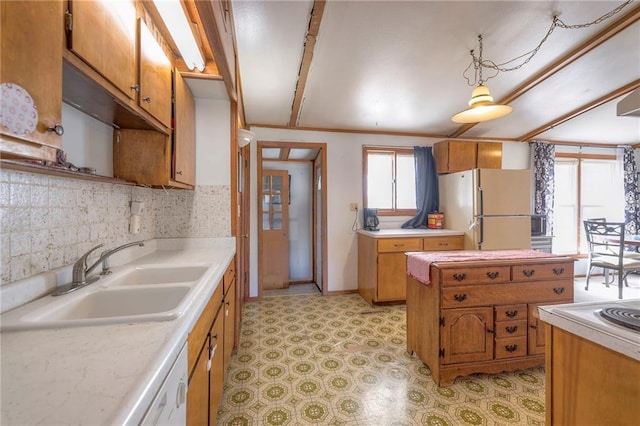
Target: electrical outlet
(353, 207)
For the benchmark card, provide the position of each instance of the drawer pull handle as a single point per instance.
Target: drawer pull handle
(493, 275)
(558, 271)
(511, 314)
(398, 245)
(528, 272)
(511, 329)
(558, 290)
(510, 348)
(443, 244)
(460, 297)
(535, 327)
(459, 277)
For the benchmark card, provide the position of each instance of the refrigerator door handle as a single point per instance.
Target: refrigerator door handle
(481, 240)
(481, 207)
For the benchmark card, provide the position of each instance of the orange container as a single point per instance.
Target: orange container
(435, 220)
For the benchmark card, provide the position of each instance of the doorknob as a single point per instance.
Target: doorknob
(245, 236)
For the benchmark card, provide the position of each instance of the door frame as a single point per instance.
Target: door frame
(323, 219)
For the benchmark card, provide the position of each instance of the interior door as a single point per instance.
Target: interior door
(274, 220)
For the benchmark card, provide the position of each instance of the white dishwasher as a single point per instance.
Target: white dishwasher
(169, 407)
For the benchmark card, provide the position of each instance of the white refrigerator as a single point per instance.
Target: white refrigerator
(492, 207)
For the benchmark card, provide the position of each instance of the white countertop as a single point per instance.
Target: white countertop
(104, 374)
(582, 319)
(395, 233)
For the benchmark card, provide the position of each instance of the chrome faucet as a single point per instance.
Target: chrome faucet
(80, 269)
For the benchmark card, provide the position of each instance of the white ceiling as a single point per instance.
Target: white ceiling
(396, 66)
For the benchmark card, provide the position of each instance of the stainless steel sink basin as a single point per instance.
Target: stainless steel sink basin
(159, 275)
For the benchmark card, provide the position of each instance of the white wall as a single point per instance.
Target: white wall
(87, 141)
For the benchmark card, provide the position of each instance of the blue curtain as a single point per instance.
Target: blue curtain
(426, 186)
(543, 174)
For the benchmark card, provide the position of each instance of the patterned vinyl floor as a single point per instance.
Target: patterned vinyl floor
(314, 360)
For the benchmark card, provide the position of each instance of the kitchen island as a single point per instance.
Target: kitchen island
(106, 374)
(381, 260)
(592, 365)
(476, 311)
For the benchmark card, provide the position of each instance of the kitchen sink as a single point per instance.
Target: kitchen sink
(159, 275)
(100, 306)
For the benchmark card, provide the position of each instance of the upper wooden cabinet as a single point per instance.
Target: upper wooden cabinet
(31, 57)
(155, 77)
(455, 156)
(184, 134)
(97, 27)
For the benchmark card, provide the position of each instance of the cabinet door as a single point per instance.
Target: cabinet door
(454, 156)
(184, 136)
(155, 77)
(229, 323)
(489, 155)
(31, 57)
(536, 334)
(198, 394)
(103, 34)
(216, 375)
(392, 275)
(467, 335)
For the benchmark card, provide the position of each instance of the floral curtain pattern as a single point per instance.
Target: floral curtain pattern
(543, 154)
(426, 186)
(630, 191)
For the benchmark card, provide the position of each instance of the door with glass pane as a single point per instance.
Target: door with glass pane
(274, 221)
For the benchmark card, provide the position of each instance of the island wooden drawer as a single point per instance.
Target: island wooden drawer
(504, 294)
(451, 242)
(511, 328)
(538, 272)
(511, 347)
(390, 245)
(511, 312)
(473, 276)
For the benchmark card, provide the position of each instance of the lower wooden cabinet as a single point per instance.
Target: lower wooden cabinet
(382, 265)
(210, 346)
(481, 316)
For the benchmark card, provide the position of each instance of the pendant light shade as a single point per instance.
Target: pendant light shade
(481, 108)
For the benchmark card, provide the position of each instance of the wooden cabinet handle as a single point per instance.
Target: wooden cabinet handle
(443, 244)
(459, 277)
(511, 329)
(511, 314)
(558, 271)
(398, 245)
(493, 275)
(460, 297)
(528, 272)
(558, 290)
(511, 348)
(179, 172)
(147, 99)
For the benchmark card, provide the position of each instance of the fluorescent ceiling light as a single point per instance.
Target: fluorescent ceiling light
(180, 29)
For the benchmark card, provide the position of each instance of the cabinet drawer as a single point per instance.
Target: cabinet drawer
(455, 242)
(511, 347)
(472, 276)
(503, 294)
(537, 272)
(199, 332)
(399, 244)
(511, 312)
(510, 328)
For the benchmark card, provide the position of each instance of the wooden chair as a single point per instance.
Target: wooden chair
(606, 250)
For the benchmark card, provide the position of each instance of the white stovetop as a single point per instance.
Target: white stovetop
(103, 374)
(582, 319)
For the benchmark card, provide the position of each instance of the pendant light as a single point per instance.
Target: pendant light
(481, 106)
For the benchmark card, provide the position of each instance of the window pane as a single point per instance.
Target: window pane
(265, 222)
(405, 182)
(380, 180)
(565, 207)
(265, 183)
(276, 183)
(277, 221)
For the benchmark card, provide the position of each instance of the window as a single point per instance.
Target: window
(585, 187)
(389, 181)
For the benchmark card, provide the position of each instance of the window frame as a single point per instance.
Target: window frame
(579, 157)
(366, 150)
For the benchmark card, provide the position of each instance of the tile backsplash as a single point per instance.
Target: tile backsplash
(47, 222)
